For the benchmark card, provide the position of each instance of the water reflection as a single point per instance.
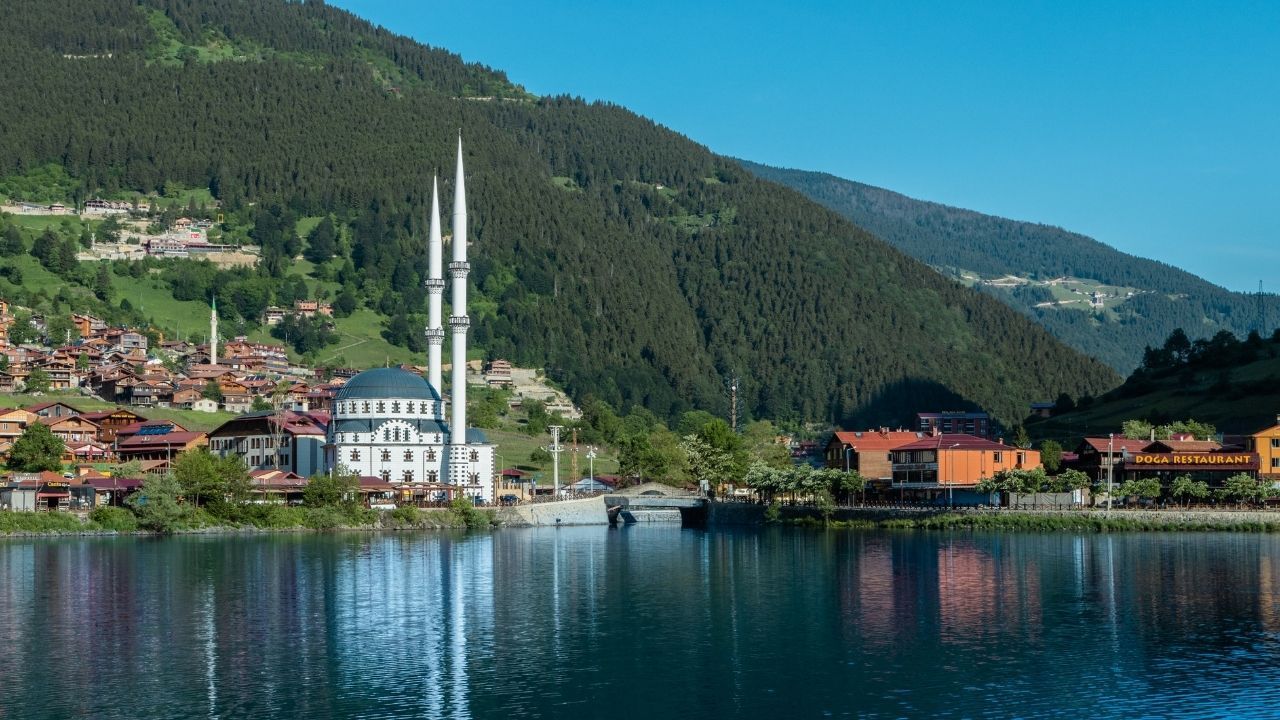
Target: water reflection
(643, 622)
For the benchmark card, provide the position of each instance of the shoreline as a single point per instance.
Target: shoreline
(1029, 520)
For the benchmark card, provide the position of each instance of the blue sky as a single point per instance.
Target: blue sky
(1154, 127)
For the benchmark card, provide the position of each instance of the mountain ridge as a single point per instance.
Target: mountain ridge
(954, 240)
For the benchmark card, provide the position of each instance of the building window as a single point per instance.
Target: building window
(475, 456)
(355, 456)
(366, 406)
(1020, 459)
(386, 476)
(431, 455)
(1275, 463)
(386, 456)
(997, 457)
(395, 406)
(408, 476)
(382, 407)
(474, 477)
(408, 456)
(1275, 443)
(433, 476)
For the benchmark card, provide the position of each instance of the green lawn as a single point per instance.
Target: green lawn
(189, 419)
(188, 319)
(514, 449)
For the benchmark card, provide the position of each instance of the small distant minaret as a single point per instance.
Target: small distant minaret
(459, 322)
(213, 333)
(435, 293)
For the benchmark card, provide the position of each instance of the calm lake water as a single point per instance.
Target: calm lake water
(642, 622)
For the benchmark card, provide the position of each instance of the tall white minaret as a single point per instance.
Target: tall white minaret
(435, 291)
(213, 333)
(459, 321)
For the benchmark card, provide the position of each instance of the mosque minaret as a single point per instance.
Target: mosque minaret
(389, 424)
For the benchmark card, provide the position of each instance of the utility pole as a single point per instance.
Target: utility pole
(555, 451)
(1111, 467)
(573, 461)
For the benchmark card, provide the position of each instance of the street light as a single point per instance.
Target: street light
(1111, 467)
(591, 463)
(951, 503)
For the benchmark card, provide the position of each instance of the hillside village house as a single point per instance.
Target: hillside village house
(289, 441)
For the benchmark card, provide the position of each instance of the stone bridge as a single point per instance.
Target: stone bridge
(656, 503)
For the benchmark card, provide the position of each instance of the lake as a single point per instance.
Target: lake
(641, 622)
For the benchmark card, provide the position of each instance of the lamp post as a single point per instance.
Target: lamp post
(1111, 467)
(951, 503)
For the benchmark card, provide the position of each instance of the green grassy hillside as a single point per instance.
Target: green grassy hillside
(1236, 398)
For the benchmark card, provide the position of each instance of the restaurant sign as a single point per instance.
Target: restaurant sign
(1192, 461)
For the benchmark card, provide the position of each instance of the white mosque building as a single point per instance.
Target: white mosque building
(390, 423)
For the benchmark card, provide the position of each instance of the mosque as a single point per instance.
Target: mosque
(390, 423)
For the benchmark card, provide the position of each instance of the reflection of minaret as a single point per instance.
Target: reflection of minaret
(213, 333)
(435, 291)
(459, 321)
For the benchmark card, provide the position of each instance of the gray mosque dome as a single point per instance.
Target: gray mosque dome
(387, 384)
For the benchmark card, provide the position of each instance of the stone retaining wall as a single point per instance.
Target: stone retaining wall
(588, 511)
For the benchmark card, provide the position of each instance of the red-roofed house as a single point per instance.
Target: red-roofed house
(159, 447)
(1095, 454)
(939, 462)
(867, 452)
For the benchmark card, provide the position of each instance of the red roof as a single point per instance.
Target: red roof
(1183, 446)
(276, 479)
(41, 406)
(953, 441)
(177, 439)
(1121, 444)
(876, 440)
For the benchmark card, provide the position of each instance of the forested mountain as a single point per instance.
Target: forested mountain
(955, 241)
(634, 264)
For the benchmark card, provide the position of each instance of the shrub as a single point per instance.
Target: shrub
(405, 516)
(44, 522)
(466, 513)
(114, 518)
(324, 518)
(773, 513)
(274, 516)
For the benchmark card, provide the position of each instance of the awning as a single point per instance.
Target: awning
(65, 493)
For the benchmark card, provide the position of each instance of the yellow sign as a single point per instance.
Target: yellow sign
(1210, 461)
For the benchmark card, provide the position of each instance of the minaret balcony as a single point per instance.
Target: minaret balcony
(459, 269)
(435, 336)
(459, 321)
(434, 285)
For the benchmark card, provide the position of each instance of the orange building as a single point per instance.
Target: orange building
(869, 452)
(1266, 442)
(938, 462)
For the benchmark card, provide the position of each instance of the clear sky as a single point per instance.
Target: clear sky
(1152, 126)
